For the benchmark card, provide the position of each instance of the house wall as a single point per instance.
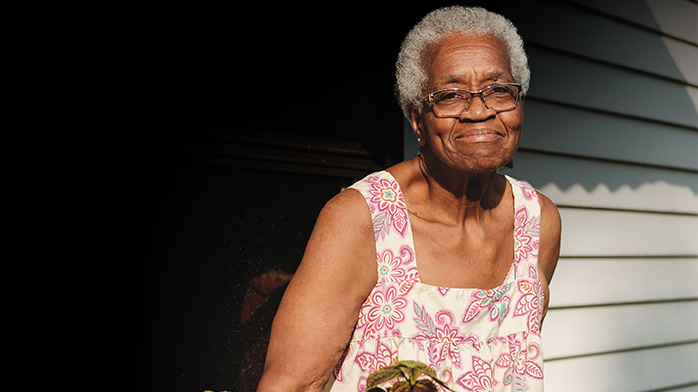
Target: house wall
(611, 137)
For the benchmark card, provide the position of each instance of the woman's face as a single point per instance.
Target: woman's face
(481, 140)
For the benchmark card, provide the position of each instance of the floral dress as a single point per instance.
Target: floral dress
(476, 340)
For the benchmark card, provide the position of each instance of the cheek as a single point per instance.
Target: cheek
(436, 128)
(513, 122)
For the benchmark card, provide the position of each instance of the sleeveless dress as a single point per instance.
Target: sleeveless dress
(476, 340)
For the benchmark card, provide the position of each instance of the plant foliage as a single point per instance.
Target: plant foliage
(410, 371)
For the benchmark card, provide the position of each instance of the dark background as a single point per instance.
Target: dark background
(251, 118)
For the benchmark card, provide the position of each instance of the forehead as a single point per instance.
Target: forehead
(467, 59)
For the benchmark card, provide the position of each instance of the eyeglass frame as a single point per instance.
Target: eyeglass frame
(473, 94)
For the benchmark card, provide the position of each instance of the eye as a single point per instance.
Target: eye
(450, 97)
(501, 91)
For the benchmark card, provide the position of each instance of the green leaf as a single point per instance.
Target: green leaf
(411, 371)
(412, 374)
(409, 364)
(429, 371)
(414, 369)
(423, 369)
(382, 376)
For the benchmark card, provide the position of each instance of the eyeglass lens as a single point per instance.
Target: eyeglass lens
(453, 102)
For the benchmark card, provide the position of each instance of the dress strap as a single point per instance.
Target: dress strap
(526, 228)
(386, 203)
(391, 230)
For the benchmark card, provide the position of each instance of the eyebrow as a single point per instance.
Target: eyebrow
(492, 76)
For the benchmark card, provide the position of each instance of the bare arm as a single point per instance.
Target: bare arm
(549, 247)
(320, 307)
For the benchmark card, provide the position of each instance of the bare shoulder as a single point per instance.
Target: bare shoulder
(343, 231)
(550, 236)
(345, 222)
(549, 213)
(348, 207)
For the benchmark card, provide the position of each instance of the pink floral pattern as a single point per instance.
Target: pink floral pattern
(526, 234)
(382, 310)
(530, 304)
(494, 301)
(517, 363)
(370, 362)
(441, 336)
(477, 340)
(398, 269)
(480, 379)
(391, 211)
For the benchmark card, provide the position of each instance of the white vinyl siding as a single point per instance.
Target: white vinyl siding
(589, 232)
(670, 368)
(616, 149)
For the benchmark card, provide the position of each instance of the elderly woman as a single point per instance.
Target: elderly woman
(438, 259)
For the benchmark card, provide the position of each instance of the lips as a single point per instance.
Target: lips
(479, 135)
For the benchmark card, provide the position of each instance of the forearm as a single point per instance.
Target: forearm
(298, 360)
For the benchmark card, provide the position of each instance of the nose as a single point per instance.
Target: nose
(479, 111)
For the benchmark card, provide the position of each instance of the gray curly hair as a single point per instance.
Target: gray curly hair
(409, 68)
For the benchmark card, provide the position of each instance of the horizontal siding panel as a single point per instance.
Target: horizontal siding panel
(613, 328)
(614, 233)
(566, 130)
(571, 80)
(575, 181)
(635, 13)
(686, 58)
(692, 388)
(610, 40)
(628, 371)
(622, 280)
(676, 17)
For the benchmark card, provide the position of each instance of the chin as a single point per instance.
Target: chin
(485, 166)
(478, 169)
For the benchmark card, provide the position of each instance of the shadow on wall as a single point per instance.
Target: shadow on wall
(627, 137)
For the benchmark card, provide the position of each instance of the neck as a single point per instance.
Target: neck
(460, 195)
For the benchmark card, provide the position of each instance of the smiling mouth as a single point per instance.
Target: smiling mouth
(479, 135)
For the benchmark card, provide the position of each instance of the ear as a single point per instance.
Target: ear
(416, 121)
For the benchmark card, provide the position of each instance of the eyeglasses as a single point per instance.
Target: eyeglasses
(453, 102)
